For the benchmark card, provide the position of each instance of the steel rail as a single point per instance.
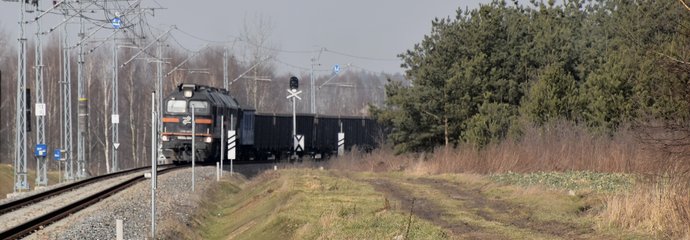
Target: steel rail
(32, 225)
(14, 205)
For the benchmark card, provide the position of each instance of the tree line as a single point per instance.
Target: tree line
(484, 75)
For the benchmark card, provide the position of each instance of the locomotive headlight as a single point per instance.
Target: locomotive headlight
(208, 139)
(164, 138)
(187, 89)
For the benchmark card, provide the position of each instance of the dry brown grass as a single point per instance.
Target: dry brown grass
(380, 160)
(662, 209)
(660, 204)
(558, 147)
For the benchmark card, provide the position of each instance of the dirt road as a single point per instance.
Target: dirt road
(471, 211)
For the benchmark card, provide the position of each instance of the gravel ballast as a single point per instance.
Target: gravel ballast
(175, 204)
(35, 210)
(16, 196)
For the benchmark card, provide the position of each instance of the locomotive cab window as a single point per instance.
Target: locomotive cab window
(200, 107)
(177, 106)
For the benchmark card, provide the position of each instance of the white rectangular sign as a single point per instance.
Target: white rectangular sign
(40, 109)
(116, 118)
(299, 143)
(232, 143)
(341, 144)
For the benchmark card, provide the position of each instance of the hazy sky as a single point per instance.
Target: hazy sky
(373, 31)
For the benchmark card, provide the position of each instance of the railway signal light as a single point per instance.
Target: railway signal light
(294, 83)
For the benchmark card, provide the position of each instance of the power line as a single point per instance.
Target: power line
(204, 39)
(179, 44)
(364, 69)
(237, 39)
(290, 65)
(299, 67)
(279, 50)
(361, 57)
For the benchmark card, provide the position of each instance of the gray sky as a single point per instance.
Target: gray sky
(367, 29)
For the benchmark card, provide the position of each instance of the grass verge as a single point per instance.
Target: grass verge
(489, 210)
(331, 204)
(7, 179)
(308, 204)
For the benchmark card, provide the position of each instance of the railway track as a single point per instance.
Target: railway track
(30, 226)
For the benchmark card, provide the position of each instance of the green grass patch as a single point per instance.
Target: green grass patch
(308, 204)
(570, 180)
(498, 211)
(7, 179)
(314, 204)
(491, 211)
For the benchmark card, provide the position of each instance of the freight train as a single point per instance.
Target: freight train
(257, 136)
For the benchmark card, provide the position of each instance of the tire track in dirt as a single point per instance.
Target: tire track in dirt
(506, 212)
(427, 210)
(471, 198)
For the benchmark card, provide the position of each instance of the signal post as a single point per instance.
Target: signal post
(293, 94)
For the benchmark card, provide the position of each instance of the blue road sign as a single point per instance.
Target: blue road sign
(336, 68)
(117, 23)
(57, 154)
(41, 150)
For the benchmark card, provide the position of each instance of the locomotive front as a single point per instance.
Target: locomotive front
(177, 125)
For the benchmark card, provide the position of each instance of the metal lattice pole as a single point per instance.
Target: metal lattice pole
(66, 90)
(20, 171)
(61, 122)
(312, 84)
(41, 164)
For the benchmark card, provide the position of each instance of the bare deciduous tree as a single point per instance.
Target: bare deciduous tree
(259, 52)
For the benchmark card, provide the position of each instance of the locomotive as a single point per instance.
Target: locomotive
(259, 136)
